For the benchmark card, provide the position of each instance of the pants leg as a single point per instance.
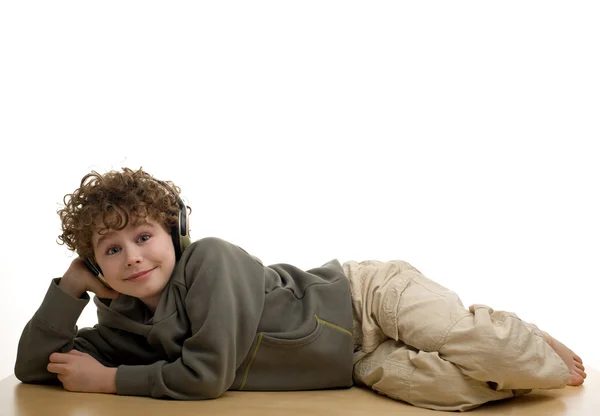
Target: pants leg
(423, 379)
(394, 300)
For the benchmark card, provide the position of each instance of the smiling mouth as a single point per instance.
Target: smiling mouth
(140, 276)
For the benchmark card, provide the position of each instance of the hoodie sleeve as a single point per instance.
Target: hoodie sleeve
(224, 301)
(53, 329)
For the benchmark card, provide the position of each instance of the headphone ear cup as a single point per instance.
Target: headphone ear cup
(92, 266)
(184, 230)
(183, 234)
(95, 269)
(176, 242)
(180, 234)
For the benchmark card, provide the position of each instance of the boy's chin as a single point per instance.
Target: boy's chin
(150, 291)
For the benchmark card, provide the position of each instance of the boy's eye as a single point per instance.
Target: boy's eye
(144, 237)
(112, 250)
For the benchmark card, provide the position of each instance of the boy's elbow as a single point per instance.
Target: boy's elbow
(214, 393)
(209, 390)
(204, 392)
(22, 373)
(26, 374)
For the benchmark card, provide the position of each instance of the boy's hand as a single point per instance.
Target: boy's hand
(80, 372)
(78, 279)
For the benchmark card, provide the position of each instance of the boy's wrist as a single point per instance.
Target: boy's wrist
(68, 287)
(110, 380)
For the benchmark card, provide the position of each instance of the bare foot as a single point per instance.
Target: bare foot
(576, 369)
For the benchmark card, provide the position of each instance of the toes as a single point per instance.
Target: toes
(575, 380)
(579, 365)
(577, 358)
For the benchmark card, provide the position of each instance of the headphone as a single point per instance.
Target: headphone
(180, 234)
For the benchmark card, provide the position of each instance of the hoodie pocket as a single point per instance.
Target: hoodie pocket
(319, 360)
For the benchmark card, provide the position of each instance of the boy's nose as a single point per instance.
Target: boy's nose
(133, 257)
(131, 262)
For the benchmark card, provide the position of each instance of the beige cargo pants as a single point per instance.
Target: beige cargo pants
(415, 341)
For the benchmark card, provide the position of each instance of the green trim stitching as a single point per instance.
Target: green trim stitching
(333, 325)
(260, 335)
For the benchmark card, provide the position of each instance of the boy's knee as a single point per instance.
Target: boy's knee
(486, 340)
(420, 312)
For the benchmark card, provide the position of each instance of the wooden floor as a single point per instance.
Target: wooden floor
(30, 400)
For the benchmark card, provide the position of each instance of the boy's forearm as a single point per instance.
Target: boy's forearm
(163, 379)
(51, 329)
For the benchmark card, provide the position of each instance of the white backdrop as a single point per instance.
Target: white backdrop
(459, 136)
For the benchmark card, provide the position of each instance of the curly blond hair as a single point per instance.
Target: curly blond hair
(117, 198)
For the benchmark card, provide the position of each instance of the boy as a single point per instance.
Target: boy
(190, 321)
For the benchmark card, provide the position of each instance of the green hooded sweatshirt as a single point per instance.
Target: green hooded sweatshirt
(224, 322)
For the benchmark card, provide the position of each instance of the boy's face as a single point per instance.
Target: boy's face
(137, 260)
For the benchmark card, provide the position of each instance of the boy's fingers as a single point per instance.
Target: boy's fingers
(59, 357)
(75, 352)
(104, 292)
(56, 368)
